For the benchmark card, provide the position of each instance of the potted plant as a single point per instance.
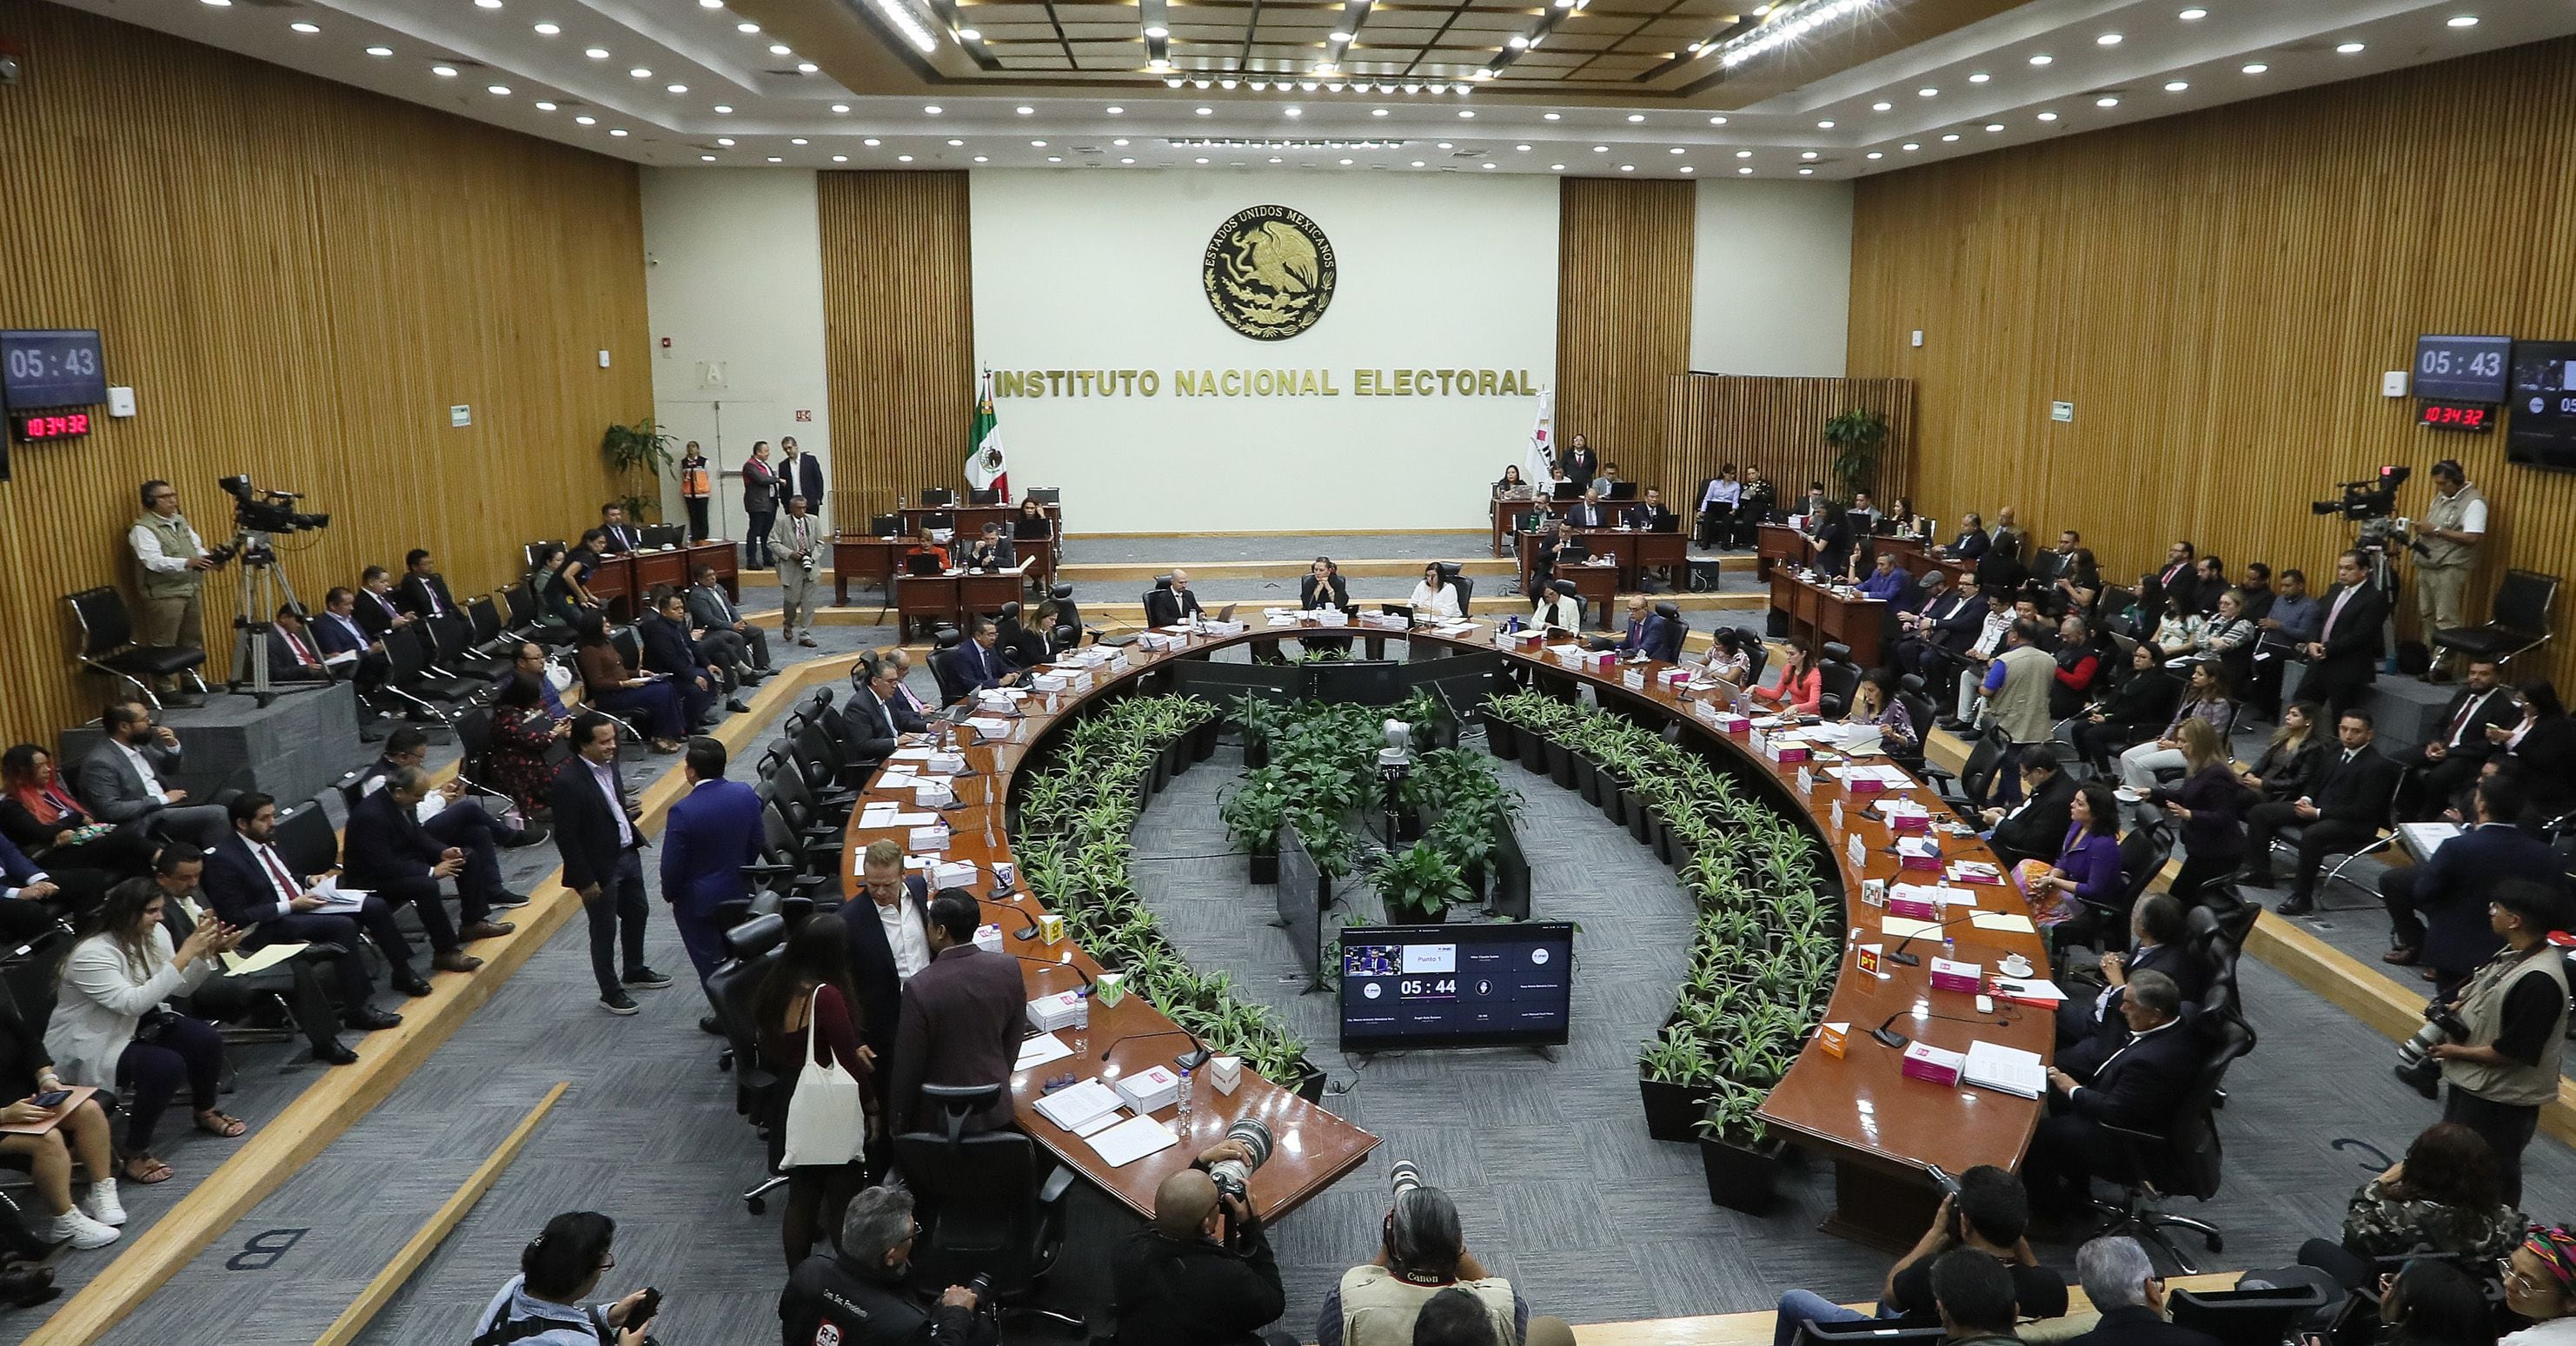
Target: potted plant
(1252, 816)
(1330, 845)
(641, 448)
(1418, 884)
(1741, 1158)
(1259, 719)
(1676, 1074)
(1855, 437)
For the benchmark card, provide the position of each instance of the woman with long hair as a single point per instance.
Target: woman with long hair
(1510, 481)
(2289, 762)
(613, 685)
(39, 814)
(2207, 696)
(559, 596)
(1730, 655)
(2443, 1198)
(1433, 597)
(2209, 804)
(808, 1007)
(2433, 1303)
(1801, 688)
(112, 1030)
(522, 733)
(2542, 748)
(2083, 888)
(1874, 702)
(2130, 709)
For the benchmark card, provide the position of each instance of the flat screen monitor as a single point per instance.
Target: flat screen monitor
(2542, 432)
(1415, 986)
(2461, 368)
(41, 370)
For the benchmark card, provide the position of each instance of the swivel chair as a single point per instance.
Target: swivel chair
(982, 1204)
(2185, 1160)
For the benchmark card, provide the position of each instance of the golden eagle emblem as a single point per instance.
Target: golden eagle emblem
(1268, 272)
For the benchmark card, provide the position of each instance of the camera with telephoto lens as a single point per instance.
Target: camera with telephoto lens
(2415, 1068)
(1234, 1176)
(1404, 1177)
(258, 511)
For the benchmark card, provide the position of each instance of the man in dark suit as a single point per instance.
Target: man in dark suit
(801, 473)
(2089, 1027)
(2209, 580)
(2177, 578)
(339, 632)
(292, 654)
(1587, 512)
(1173, 605)
(878, 716)
(596, 833)
(423, 592)
(376, 609)
(2344, 658)
(2460, 745)
(2437, 911)
(1645, 513)
(1971, 543)
(722, 632)
(33, 898)
(388, 854)
(889, 944)
(960, 1021)
(994, 550)
(713, 831)
(2129, 1293)
(761, 494)
(1917, 628)
(1579, 463)
(2137, 1087)
(249, 885)
(2347, 809)
(621, 535)
(2036, 828)
(663, 635)
(978, 665)
(180, 875)
(125, 781)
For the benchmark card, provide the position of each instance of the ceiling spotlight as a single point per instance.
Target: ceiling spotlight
(1293, 111)
(1951, 136)
(1115, 111)
(1259, 85)
(1688, 169)
(983, 159)
(1377, 112)
(1909, 147)
(871, 142)
(2048, 116)
(1418, 163)
(543, 29)
(1447, 146)
(747, 27)
(951, 144)
(2106, 101)
(1202, 159)
(1979, 78)
(1713, 121)
(1806, 172)
(1677, 149)
(2464, 20)
(585, 121)
(1825, 125)
(840, 107)
(1484, 74)
(799, 140)
(1157, 32)
(640, 72)
(1024, 109)
(903, 158)
(2107, 40)
(443, 71)
(497, 90)
(1126, 161)
(1555, 116)
(1810, 154)
(219, 4)
(1552, 168)
(726, 141)
(1876, 155)
(1203, 83)
(487, 4)
(1604, 149)
(675, 88)
(380, 51)
(2195, 12)
(1744, 170)
(2256, 68)
(1624, 168)
(1927, 93)
(1636, 116)
(776, 160)
(545, 106)
(1518, 42)
(779, 49)
(726, 109)
(1037, 144)
(1347, 163)
(706, 158)
(1120, 142)
(619, 132)
(843, 159)
(1206, 111)
(2176, 85)
(1467, 113)
(807, 67)
(1055, 158)
(1881, 107)
(930, 110)
(2349, 48)
(1345, 37)
(1225, 84)
(710, 4)
(1744, 154)
(2042, 59)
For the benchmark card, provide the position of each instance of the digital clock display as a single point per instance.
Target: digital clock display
(2462, 368)
(1456, 985)
(2457, 416)
(34, 427)
(42, 370)
(2544, 405)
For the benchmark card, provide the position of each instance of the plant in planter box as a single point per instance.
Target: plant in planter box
(1329, 844)
(1259, 719)
(1418, 884)
(1675, 1074)
(1741, 1158)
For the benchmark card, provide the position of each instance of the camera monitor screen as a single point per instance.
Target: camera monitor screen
(1411, 986)
(2543, 432)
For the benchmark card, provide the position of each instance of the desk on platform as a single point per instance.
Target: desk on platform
(1915, 557)
(954, 596)
(876, 559)
(1818, 614)
(969, 520)
(621, 579)
(1633, 552)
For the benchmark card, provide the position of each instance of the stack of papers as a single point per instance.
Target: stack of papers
(910, 755)
(990, 728)
(2422, 839)
(1064, 1009)
(1085, 1102)
(1039, 1050)
(2009, 1069)
(886, 813)
(1974, 871)
(1132, 1140)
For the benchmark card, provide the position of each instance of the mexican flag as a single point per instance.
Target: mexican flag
(984, 469)
(1542, 452)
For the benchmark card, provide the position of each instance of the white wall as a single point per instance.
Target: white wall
(734, 277)
(1771, 278)
(1101, 270)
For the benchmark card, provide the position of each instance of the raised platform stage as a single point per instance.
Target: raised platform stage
(292, 748)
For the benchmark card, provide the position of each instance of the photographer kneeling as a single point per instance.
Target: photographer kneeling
(856, 1297)
(1421, 1252)
(2513, 1011)
(1201, 1274)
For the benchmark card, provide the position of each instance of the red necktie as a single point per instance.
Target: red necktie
(2461, 720)
(277, 871)
(296, 643)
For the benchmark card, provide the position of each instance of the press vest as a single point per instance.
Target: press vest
(177, 539)
(1378, 1307)
(2482, 1008)
(2021, 704)
(2447, 512)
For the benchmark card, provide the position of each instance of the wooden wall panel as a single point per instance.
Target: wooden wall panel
(899, 335)
(2218, 294)
(1778, 425)
(1622, 316)
(298, 279)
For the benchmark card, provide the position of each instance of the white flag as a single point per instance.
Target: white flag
(1542, 447)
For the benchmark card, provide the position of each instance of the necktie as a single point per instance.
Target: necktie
(2461, 720)
(436, 609)
(303, 656)
(888, 713)
(285, 884)
(2327, 632)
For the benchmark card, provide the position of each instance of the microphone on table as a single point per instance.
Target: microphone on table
(1899, 955)
(1889, 1037)
(1190, 1060)
(1087, 983)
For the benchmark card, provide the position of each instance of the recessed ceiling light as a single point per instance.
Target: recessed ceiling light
(710, 4)
(1418, 163)
(779, 49)
(2464, 20)
(1467, 113)
(1024, 109)
(983, 159)
(2349, 48)
(1055, 158)
(2106, 101)
(497, 90)
(1553, 116)
(1624, 168)
(2195, 12)
(1876, 155)
(726, 141)
(1825, 125)
(2176, 85)
(543, 29)
(1126, 161)
(806, 67)
(675, 88)
(1347, 163)
(1909, 147)
(747, 27)
(930, 110)
(1979, 78)
(1116, 111)
(1447, 146)
(798, 140)
(727, 108)
(1674, 150)
(443, 71)
(586, 121)
(1881, 107)
(1744, 170)
(1927, 93)
(1950, 136)
(1600, 149)
(1205, 111)
(1744, 154)
(1277, 160)
(640, 72)
(2256, 67)
(219, 4)
(2048, 116)
(1519, 42)
(620, 132)
(955, 143)
(1806, 172)
(871, 142)
(843, 159)
(1713, 121)
(1688, 169)
(1377, 112)
(544, 105)
(305, 27)
(1037, 144)
(1636, 116)
(595, 53)
(776, 160)
(2042, 58)
(2107, 40)
(903, 158)
(1120, 143)
(1994, 126)
(1552, 168)
(380, 51)
(1202, 159)
(487, 4)
(706, 158)
(1158, 31)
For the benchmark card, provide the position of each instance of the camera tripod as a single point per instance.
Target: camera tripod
(261, 585)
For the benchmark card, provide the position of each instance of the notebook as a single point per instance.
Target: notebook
(2009, 1069)
(1071, 1107)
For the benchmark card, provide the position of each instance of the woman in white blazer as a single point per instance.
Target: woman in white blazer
(111, 1028)
(1433, 597)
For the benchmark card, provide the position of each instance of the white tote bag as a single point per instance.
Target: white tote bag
(826, 1123)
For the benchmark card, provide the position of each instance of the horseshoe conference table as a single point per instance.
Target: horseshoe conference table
(1882, 1130)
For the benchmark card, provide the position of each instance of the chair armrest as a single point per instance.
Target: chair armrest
(1056, 1185)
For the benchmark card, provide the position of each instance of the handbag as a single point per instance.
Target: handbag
(826, 1124)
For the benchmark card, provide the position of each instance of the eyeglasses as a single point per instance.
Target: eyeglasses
(2514, 1276)
(607, 1261)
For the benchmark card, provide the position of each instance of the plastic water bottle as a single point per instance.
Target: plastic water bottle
(1181, 1109)
(1082, 1028)
(1949, 948)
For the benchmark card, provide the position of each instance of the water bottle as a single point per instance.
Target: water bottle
(1949, 948)
(1082, 1027)
(1181, 1109)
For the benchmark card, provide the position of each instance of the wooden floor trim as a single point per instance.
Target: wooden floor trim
(338, 1098)
(451, 1213)
(1754, 1328)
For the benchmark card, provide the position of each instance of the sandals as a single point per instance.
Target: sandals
(144, 1169)
(215, 1123)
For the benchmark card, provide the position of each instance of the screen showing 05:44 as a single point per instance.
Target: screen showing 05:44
(1457, 985)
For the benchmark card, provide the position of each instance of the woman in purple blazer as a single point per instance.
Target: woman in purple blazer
(2084, 886)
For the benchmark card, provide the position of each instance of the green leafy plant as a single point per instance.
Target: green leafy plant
(1855, 437)
(1255, 811)
(641, 449)
(1418, 884)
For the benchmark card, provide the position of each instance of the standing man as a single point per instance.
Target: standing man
(960, 1021)
(2016, 693)
(2344, 658)
(713, 831)
(2516, 1011)
(1579, 463)
(2288, 623)
(2347, 808)
(121, 781)
(2437, 911)
(595, 833)
(800, 473)
(2446, 547)
(795, 544)
(716, 618)
(759, 506)
(171, 563)
(888, 947)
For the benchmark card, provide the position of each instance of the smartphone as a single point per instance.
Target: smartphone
(646, 1307)
(53, 1099)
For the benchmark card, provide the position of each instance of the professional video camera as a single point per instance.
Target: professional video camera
(2370, 498)
(258, 511)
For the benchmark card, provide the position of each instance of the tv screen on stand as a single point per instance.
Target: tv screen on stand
(1406, 987)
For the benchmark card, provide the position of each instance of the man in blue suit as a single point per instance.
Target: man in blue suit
(2437, 911)
(977, 665)
(713, 831)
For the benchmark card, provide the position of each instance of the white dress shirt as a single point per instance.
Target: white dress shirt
(143, 768)
(280, 879)
(904, 936)
(606, 776)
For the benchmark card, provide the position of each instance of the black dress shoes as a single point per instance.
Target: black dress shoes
(335, 1055)
(2253, 878)
(411, 984)
(738, 706)
(368, 1019)
(707, 1024)
(2296, 904)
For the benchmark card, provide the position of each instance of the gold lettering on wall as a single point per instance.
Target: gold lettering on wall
(1263, 383)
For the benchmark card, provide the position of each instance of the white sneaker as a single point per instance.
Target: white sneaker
(103, 1205)
(79, 1230)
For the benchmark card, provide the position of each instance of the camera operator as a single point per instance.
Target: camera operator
(1201, 1274)
(2514, 1010)
(171, 562)
(2446, 543)
(541, 1306)
(1421, 1252)
(855, 1295)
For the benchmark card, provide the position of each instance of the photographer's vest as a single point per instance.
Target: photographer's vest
(2482, 1008)
(177, 539)
(1378, 1306)
(2446, 512)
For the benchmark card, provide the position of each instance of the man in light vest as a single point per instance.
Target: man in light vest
(2446, 543)
(170, 577)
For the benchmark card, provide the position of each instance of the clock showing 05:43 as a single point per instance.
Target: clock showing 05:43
(47, 370)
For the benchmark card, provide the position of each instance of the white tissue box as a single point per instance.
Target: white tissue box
(1148, 1090)
(1050, 682)
(945, 763)
(931, 794)
(927, 840)
(1064, 1009)
(952, 874)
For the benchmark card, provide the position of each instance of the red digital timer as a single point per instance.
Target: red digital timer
(2474, 417)
(37, 426)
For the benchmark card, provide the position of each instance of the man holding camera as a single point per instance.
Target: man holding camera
(2502, 1061)
(2437, 911)
(1201, 1274)
(2446, 548)
(854, 1295)
(1421, 1252)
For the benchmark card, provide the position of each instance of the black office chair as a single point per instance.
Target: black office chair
(2186, 1160)
(937, 495)
(983, 497)
(946, 643)
(1918, 708)
(2215, 947)
(886, 525)
(2143, 853)
(2520, 619)
(305, 839)
(751, 949)
(1161, 609)
(982, 1204)
(107, 645)
(1755, 657)
(1455, 576)
(1836, 682)
(1873, 1331)
(1582, 616)
(1671, 612)
(1976, 778)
